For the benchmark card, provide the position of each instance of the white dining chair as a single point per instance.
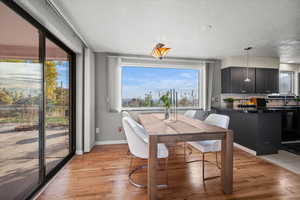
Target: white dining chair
(210, 146)
(190, 114)
(125, 114)
(138, 147)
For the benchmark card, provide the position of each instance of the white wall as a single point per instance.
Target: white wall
(258, 62)
(89, 94)
(79, 103)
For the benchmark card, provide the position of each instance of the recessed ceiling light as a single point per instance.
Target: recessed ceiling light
(207, 27)
(290, 61)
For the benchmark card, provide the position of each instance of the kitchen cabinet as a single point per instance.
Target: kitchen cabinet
(262, 80)
(260, 132)
(267, 80)
(226, 80)
(233, 80)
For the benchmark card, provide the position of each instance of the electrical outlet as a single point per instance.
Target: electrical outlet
(120, 129)
(97, 130)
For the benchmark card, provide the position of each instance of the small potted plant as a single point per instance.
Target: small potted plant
(229, 102)
(166, 100)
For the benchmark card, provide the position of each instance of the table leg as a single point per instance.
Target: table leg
(227, 163)
(152, 164)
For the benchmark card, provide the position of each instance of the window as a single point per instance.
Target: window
(286, 82)
(143, 86)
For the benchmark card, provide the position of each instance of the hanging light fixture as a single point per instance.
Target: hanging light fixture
(160, 51)
(247, 63)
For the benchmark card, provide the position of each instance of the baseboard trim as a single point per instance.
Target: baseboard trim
(79, 152)
(245, 149)
(105, 142)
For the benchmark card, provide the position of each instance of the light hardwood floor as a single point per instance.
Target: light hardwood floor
(102, 174)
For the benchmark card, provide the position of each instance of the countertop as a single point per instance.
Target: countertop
(259, 110)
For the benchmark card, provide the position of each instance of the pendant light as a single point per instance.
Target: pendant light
(247, 63)
(160, 51)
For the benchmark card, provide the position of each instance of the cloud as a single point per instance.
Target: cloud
(20, 75)
(186, 75)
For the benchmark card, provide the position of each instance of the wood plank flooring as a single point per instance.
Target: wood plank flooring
(102, 174)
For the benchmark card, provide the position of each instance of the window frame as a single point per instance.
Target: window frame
(292, 82)
(201, 83)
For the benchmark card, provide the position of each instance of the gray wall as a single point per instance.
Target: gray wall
(107, 122)
(216, 90)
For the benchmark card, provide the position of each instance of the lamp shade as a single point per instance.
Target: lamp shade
(159, 51)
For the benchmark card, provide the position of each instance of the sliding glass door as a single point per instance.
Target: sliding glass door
(20, 105)
(36, 109)
(58, 102)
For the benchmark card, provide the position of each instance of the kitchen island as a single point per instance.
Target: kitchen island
(262, 130)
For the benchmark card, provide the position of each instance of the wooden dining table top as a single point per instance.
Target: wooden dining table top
(155, 124)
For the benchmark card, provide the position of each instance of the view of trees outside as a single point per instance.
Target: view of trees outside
(57, 113)
(14, 97)
(20, 108)
(143, 86)
(20, 96)
(23, 114)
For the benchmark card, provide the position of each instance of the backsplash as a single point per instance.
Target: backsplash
(243, 98)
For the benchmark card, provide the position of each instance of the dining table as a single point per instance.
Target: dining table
(183, 129)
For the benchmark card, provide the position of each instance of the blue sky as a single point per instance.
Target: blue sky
(63, 73)
(136, 81)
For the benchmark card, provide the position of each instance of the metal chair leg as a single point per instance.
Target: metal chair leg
(203, 170)
(217, 162)
(131, 181)
(184, 151)
(130, 165)
(203, 167)
(167, 170)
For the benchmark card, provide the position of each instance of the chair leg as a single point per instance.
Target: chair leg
(203, 167)
(217, 162)
(167, 170)
(131, 181)
(184, 151)
(131, 160)
(132, 171)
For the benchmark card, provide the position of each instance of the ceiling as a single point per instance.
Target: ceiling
(193, 28)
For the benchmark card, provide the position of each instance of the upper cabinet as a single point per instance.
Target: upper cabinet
(238, 83)
(233, 80)
(262, 80)
(267, 80)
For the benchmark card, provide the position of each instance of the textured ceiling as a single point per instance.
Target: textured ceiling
(193, 28)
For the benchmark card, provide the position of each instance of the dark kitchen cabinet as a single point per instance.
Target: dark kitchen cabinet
(263, 80)
(226, 80)
(233, 80)
(267, 80)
